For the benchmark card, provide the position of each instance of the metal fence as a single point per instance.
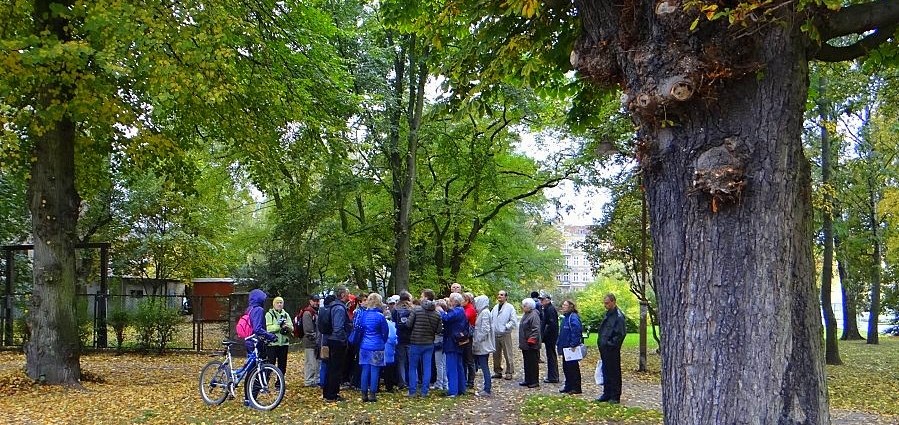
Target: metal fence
(204, 320)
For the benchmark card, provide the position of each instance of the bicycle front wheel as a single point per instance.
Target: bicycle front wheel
(265, 387)
(214, 382)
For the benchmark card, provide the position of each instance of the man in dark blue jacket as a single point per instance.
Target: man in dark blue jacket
(611, 336)
(336, 341)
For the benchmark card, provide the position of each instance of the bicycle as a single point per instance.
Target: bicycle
(263, 389)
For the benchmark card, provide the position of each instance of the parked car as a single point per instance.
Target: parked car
(892, 330)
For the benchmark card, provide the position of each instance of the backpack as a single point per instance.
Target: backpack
(324, 322)
(244, 326)
(298, 330)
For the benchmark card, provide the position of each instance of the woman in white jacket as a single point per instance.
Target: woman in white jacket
(483, 341)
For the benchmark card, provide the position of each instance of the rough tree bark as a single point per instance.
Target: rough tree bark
(719, 111)
(52, 353)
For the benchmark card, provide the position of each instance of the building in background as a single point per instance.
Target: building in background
(576, 273)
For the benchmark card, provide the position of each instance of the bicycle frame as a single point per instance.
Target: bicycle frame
(237, 375)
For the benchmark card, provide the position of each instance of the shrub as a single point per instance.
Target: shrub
(155, 324)
(592, 310)
(119, 320)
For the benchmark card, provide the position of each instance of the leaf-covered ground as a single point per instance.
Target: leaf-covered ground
(163, 390)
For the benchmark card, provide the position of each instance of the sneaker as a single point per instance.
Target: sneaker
(603, 398)
(574, 392)
(508, 377)
(550, 381)
(496, 376)
(483, 394)
(613, 401)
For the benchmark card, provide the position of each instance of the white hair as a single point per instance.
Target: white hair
(456, 298)
(528, 303)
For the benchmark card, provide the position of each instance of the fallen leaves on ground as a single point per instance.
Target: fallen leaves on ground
(151, 389)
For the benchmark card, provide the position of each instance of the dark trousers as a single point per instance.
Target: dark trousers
(552, 361)
(531, 368)
(336, 366)
(611, 372)
(351, 370)
(572, 371)
(277, 355)
(390, 376)
(470, 365)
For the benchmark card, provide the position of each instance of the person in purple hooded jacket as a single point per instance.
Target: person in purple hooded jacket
(257, 320)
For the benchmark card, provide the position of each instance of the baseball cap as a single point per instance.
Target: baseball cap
(314, 297)
(545, 295)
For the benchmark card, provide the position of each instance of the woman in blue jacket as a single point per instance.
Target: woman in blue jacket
(570, 337)
(455, 324)
(371, 350)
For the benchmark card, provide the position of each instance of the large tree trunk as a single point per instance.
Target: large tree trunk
(52, 352)
(736, 285)
(831, 345)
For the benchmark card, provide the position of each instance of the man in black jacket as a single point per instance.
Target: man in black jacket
(550, 333)
(611, 336)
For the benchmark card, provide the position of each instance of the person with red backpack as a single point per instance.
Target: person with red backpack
(307, 331)
(256, 315)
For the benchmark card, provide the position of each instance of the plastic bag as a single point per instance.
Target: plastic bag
(598, 374)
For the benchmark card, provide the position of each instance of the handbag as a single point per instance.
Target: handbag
(324, 353)
(463, 337)
(597, 376)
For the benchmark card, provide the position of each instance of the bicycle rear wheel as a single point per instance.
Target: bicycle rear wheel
(265, 387)
(214, 382)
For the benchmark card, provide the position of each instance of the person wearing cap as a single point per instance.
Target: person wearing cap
(550, 337)
(278, 322)
(310, 341)
(391, 303)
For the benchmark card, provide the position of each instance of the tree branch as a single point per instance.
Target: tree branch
(828, 53)
(860, 18)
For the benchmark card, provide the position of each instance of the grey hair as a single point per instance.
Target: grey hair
(528, 303)
(456, 298)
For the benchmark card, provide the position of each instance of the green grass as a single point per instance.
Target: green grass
(573, 410)
(868, 379)
(632, 340)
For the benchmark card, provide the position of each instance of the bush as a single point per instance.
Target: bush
(155, 325)
(119, 320)
(592, 310)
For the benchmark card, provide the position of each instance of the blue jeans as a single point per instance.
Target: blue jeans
(480, 361)
(420, 354)
(455, 374)
(401, 356)
(322, 372)
(440, 359)
(370, 378)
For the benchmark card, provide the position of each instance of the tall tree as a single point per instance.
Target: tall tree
(92, 77)
(717, 92)
(825, 121)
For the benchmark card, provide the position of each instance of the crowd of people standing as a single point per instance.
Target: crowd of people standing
(424, 343)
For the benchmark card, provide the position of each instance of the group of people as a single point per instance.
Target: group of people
(428, 343)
